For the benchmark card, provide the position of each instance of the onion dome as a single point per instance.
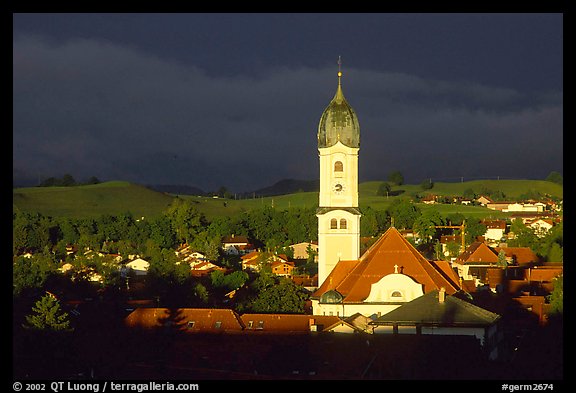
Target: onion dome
(339, 122)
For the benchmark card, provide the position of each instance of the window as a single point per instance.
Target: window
(333, 223)
(396, 294)
(343, 223)
(338, 166)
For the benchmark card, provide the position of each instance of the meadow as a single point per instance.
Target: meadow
(115, 197)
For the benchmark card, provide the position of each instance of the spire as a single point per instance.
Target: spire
(339, 96)
(339, 122)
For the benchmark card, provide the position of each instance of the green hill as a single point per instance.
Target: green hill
(93, 200)
(119, 197)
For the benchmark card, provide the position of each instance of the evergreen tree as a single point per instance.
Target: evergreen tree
(47, 315)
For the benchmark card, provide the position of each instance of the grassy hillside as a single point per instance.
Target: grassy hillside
(112, 197)
(118, 197)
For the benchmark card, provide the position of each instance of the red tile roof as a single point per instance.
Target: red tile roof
(353, 279)
(521, 255)
(207, 320)
(285, 323)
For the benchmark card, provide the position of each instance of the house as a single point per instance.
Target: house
(254, 261)
(537, 207)
(282, 268)
(139, 266)
(437, 313)
(495, 230)
(429, 199)
(237, 245)
(301, 249)
(356, 323)
(484, 200)
(540, 226)
(390, 273)
(500, 206)
(203, 268)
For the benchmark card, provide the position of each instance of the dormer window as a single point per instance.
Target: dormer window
(396, 294)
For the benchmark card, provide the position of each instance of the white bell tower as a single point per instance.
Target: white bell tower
(338, 213)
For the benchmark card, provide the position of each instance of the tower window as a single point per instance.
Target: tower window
(333, 223)
(338, 166)
(343, 223)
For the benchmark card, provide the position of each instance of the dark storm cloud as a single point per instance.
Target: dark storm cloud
(93, 107)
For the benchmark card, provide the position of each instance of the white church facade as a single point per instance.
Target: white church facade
(392, 272)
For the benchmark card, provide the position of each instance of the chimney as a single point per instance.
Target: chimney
(441, 295)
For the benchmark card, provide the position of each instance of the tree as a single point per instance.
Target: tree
(555, 177)
(469, 194)
(404, 213)
(185, 219)
(502, 259)
(396, 178)
(426, 184)
(284, 297)
(474, 228)
(556, 298)
(425, 224)
(68, 180)
(383, 189)
(47, 315)
(32, 273)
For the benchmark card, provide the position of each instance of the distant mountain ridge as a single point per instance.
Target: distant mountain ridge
(287, 186)
(177, 189)
(282, 187)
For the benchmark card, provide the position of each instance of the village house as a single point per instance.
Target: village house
(436, 313)
(139, 266)
(282, 268)
(495, 230)
(237, 245)
(301, 250)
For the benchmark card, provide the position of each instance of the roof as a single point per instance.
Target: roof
(521, 255)
(209, 320)
(494, 224)
(235, 239)
(339, 122)
(353, 279)
(286, 323)
(428, 310)
(478, 252)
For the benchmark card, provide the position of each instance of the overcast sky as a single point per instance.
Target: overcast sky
(234, 100)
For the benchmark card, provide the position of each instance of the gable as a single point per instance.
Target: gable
(394, 287)
(390, 254)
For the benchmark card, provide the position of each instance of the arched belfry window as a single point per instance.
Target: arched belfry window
(333, 223)
(338, 166)
(343, 223)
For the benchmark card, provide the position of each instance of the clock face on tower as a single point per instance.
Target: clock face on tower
(338, 188)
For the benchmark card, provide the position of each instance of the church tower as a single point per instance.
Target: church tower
(338, 213)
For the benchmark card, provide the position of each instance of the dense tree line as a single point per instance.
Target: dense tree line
(155, 239)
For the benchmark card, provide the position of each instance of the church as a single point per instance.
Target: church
(390, 273)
